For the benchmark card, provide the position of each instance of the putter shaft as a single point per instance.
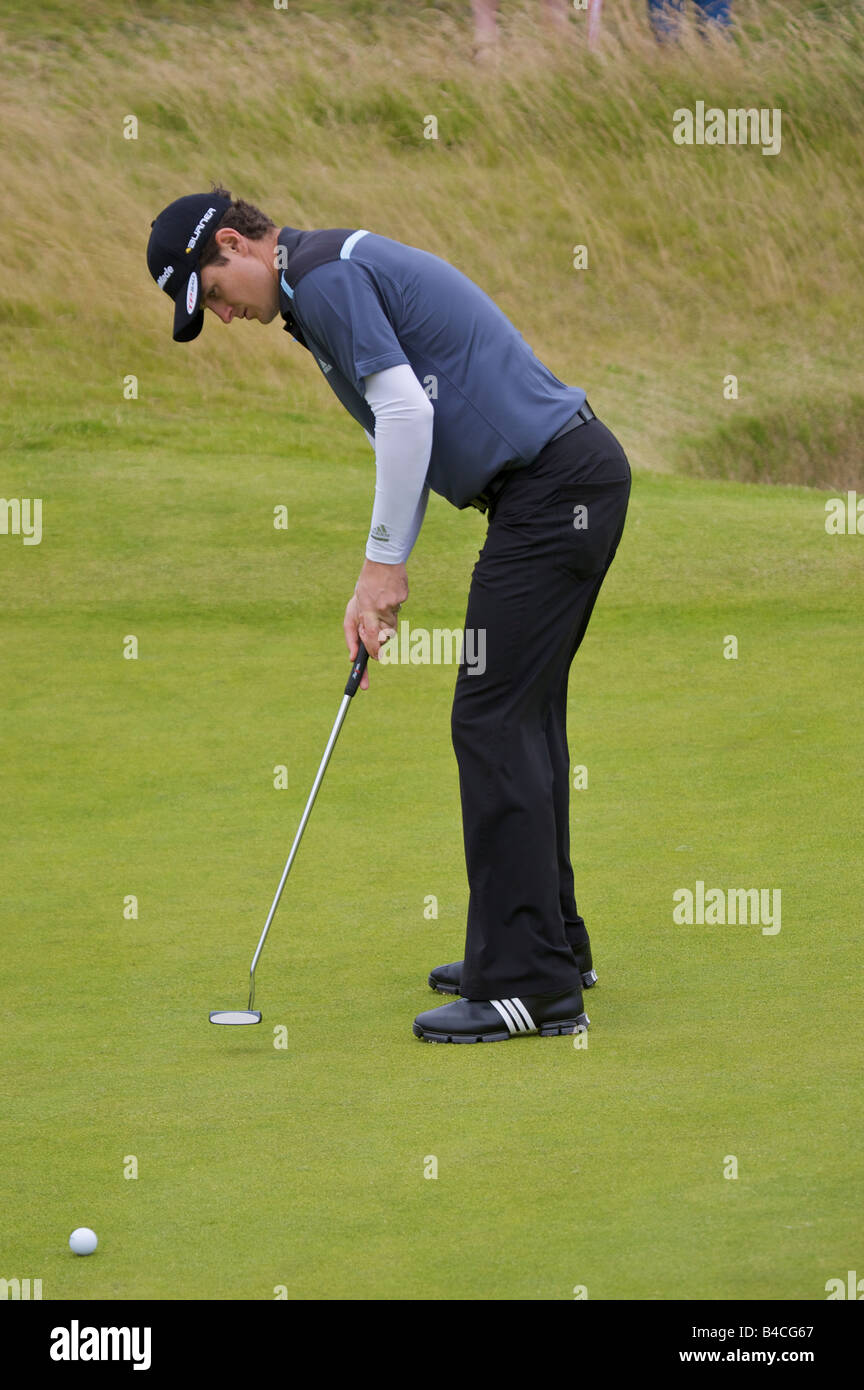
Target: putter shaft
(353, 683)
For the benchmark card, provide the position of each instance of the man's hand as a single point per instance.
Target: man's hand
(372, 612)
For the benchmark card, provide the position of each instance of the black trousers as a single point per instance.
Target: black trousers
(553, 532)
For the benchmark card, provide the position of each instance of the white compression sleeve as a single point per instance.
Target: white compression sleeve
(404, 417)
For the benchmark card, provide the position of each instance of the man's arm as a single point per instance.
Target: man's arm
(403, 443)
(404, 419)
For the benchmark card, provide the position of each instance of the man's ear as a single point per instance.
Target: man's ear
(227, 239)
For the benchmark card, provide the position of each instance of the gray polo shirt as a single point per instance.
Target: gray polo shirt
(383, 304)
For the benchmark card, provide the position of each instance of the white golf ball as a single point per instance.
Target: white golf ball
(83, 1241)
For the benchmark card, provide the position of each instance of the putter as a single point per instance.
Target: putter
(250, 1015)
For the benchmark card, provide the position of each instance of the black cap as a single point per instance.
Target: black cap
(179, 235)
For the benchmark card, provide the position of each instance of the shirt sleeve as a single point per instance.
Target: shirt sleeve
(343, 311)
(404, 420)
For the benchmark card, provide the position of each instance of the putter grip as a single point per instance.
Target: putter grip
(357, 670)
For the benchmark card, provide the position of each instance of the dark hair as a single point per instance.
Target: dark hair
(240, 217)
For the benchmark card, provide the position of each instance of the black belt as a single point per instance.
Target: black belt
(494, 486)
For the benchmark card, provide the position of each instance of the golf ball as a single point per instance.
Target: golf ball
(83, 1241)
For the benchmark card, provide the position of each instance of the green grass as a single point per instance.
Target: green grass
(703, 262)
(782, 446)
(303, 1167)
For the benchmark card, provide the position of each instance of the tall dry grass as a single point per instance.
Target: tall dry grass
(702, 261)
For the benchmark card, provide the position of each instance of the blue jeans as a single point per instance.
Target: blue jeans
(663, 14)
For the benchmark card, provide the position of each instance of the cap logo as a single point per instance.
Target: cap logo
(192, 292)
(193, 240)
(165, 276)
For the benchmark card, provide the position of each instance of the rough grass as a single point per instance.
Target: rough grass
(818, 444)
(702, 261)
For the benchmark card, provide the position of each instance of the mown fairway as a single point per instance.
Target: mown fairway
(304, 1166)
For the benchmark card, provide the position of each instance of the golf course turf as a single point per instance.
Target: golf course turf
(172, 661)
(294, 1154)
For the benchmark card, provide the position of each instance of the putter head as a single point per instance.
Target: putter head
(235, 1016)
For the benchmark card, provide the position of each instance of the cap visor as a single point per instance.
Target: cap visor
(188, 314)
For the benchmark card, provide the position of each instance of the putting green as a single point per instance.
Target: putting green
(299, 1154)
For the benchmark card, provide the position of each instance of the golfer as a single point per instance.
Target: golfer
(451, 398)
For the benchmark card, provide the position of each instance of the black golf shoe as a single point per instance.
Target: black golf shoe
(497, 1020)
(447, 979)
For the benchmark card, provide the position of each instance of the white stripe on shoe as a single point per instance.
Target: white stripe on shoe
(505, 1014)
(517, 1004)
(515, 1015)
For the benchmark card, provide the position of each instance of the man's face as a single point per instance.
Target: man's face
(244, 288)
